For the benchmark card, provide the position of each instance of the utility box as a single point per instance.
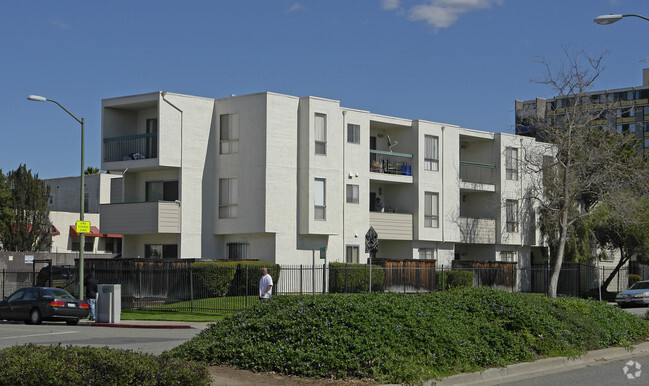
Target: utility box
(109, 303)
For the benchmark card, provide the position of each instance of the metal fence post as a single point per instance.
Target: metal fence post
(301, 281)
(191, 288)
(247, 285)
(4, 278)
(139, 286)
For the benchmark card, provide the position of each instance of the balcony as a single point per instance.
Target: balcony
(477, 176)
(392, 226)
(389, 166)
(477, 230)
(140, 217)
(131, 147)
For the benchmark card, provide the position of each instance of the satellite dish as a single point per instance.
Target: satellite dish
(391, 144)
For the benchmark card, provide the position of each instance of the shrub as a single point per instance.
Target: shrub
(354, 278)
(212, 279)
(407, 338)
(68, 365)
(254, 274)
(633, 278)
(453, 279)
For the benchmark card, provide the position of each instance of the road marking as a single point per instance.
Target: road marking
(32, 335)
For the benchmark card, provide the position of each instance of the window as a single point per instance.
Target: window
(228, 193)
(353, 133)
(511, 163)
(431, 153)
(352, 194)
(508, 256)
(320, 198)
(511, 209)
(229, 133)
(161, 191)
(161, 251)
(426, 254)
(237, 251)
(646, 143)
(321, 134)
(351, 254)
(431, 210)
(152, 140)
(646, 110)
(88, 244)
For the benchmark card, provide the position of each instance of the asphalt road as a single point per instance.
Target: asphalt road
(145, 340)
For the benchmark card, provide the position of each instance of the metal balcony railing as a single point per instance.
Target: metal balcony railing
(477, 173)
(390, 163)
(131, 147)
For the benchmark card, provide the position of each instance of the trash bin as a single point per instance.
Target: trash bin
(109, 303)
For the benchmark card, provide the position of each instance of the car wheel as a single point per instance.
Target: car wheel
(35, 316)
(73, 322)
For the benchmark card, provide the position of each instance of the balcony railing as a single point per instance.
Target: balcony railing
(477, 173)
(131, 147)
(390, 163)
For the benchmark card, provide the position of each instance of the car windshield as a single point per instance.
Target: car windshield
(56, 293)
(640, 285)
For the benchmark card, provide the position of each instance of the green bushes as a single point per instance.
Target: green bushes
(445, 280)
(222, 278)
(633, 278)
(353, 278)
(68, 365)
(406, 338)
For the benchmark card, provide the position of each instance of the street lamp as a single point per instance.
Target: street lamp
(610, 19)
(82, 240)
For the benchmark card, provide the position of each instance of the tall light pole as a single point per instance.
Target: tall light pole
(610, 19)
(82, 237)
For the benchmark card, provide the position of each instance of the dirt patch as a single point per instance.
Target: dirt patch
(227, 375)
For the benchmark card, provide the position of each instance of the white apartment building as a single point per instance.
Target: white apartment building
(274, 177)
(64, 205)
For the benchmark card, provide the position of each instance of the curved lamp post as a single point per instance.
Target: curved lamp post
(39, 98)
(610, 19)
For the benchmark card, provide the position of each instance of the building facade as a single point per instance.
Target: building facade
(276, 177)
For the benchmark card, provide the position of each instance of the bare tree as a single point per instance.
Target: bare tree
(588, 161)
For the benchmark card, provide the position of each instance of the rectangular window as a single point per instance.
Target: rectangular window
(431, 153)
(646, 143)
(351, 254)
(237, 251)
(161, 191)
(321, 134)
(161, 251)
(320, 199)
(151, 140)
(511, 213)
(229, 131)
(508, 256)
(352, 194)
(431, 210)
(426, 254)
(353, 133)
(511, 163)
(228, 193)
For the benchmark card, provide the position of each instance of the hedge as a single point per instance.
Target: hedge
(445, 280)
(353, 278)
(223, 278)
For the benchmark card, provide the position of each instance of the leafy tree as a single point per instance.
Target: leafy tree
(6, 212)
(91, 170)
(26, 221)
(588, 162)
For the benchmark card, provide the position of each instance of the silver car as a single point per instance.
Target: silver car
(637, 294)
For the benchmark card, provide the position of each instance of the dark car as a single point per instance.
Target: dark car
(63, 276)
(35, 304)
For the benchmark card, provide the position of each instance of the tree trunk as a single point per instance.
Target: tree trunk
(623, 260)
(558, 262)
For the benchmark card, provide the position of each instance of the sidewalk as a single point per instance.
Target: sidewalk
(520, 371)
(160, 324)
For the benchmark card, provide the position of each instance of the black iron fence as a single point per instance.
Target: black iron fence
(184, 287)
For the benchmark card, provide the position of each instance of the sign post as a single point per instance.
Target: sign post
(323, 255)
(371, 246)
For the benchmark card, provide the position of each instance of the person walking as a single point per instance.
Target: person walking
(91, 293)
(265, 285)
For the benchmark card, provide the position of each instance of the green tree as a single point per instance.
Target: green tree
(91, 170)
(6, 205)
(26, 222)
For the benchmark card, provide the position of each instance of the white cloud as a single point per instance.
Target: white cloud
(389, 5)
(443, 13)
(295, 7)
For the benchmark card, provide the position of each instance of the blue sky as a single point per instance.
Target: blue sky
(455, 61)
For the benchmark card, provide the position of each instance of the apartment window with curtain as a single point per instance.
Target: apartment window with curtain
(426, 254)
(321, 134)
(351, 254)
(161, 251)
(511, 214)
(228, 193)
(320, 199)
(353, 133)
(508, 256)
(352, 194)
(161, 191)
(431, 153)
(511, 163)
(431, 210)
(229, 133)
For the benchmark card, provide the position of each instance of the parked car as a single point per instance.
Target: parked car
(35, 304)
(637, 294)
(63, 276)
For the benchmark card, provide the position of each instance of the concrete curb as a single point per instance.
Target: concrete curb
(542, 366)
(160, 326)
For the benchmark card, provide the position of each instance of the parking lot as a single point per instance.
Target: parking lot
(142, 337)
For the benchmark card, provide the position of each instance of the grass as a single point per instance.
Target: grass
(179, 316)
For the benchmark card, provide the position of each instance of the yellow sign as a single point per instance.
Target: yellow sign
(83, 226)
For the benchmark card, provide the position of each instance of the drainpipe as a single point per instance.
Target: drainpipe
(344, 184)
(180, 177)
(443, 198)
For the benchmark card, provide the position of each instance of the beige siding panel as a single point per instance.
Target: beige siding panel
(168, 217)
(139, 218)
(392, 226)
